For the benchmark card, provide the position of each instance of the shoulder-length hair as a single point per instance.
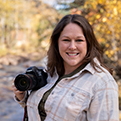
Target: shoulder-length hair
(93, 47)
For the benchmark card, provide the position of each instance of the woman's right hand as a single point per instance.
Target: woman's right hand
(18, 94)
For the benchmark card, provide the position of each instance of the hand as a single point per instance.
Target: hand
(18, 94)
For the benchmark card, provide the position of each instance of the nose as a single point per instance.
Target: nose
(72, 45)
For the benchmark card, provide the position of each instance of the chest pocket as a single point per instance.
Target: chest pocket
(75, 102)
(68, 105)
(80, 99)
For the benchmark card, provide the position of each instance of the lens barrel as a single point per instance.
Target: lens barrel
(24, 82)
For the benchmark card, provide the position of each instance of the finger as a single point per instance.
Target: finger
(14, 88)
(20, 92)
(13, 81)
(13, 84)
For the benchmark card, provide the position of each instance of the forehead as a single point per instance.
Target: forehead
(72, 26)
(72, 29)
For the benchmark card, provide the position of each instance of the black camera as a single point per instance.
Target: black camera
(33, 79)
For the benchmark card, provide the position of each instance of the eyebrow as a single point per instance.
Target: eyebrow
(80, 36)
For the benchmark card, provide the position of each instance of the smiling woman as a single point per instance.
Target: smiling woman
(79, 85)
(72, 47)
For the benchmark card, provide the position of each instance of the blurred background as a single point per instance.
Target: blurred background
(25, 30)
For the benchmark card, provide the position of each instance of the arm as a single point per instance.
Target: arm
(20, 96)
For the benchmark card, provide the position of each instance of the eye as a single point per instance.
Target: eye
(79, 40)
(66, 40)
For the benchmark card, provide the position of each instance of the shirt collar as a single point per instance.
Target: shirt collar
(87, 67)
(90, 68)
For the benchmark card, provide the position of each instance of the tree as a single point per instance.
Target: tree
(104, 16)
(25, 21)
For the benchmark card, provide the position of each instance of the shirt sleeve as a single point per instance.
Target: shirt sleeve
(23, 101)
(104, 106)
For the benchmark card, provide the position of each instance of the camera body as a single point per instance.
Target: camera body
(33, 79)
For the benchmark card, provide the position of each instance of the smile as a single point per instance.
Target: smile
(70, 54)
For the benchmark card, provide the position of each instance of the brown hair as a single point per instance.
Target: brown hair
(93, 47)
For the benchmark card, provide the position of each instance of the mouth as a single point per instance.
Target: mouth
(72, 54)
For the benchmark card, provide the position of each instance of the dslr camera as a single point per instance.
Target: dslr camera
(33, 79)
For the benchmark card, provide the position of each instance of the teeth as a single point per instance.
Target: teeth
(72, 54)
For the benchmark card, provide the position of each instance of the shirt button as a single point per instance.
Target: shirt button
(52, 93)
(72, 94)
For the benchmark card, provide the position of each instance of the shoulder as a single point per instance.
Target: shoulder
(52, 78)
(101, 80)
(104, 81)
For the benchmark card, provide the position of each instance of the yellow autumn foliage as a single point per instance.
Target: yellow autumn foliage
(105, 17)
(26, 21)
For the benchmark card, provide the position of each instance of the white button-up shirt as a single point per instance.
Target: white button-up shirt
(86, 96)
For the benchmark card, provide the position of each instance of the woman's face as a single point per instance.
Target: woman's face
(72, 47)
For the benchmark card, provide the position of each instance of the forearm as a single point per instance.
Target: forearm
(23, 101)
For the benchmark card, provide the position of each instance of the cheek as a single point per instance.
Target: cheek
(59, 46)
(62, 46)
(84, 49)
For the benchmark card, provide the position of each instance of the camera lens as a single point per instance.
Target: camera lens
(24, 82)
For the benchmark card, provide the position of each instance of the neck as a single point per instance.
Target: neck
(75, 69)
(69, 70)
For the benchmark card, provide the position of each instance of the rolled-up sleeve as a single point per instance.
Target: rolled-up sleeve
(23, 101)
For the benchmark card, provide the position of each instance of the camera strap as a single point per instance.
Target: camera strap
(25, 118)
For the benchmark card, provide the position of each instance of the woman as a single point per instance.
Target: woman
(80, 87)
